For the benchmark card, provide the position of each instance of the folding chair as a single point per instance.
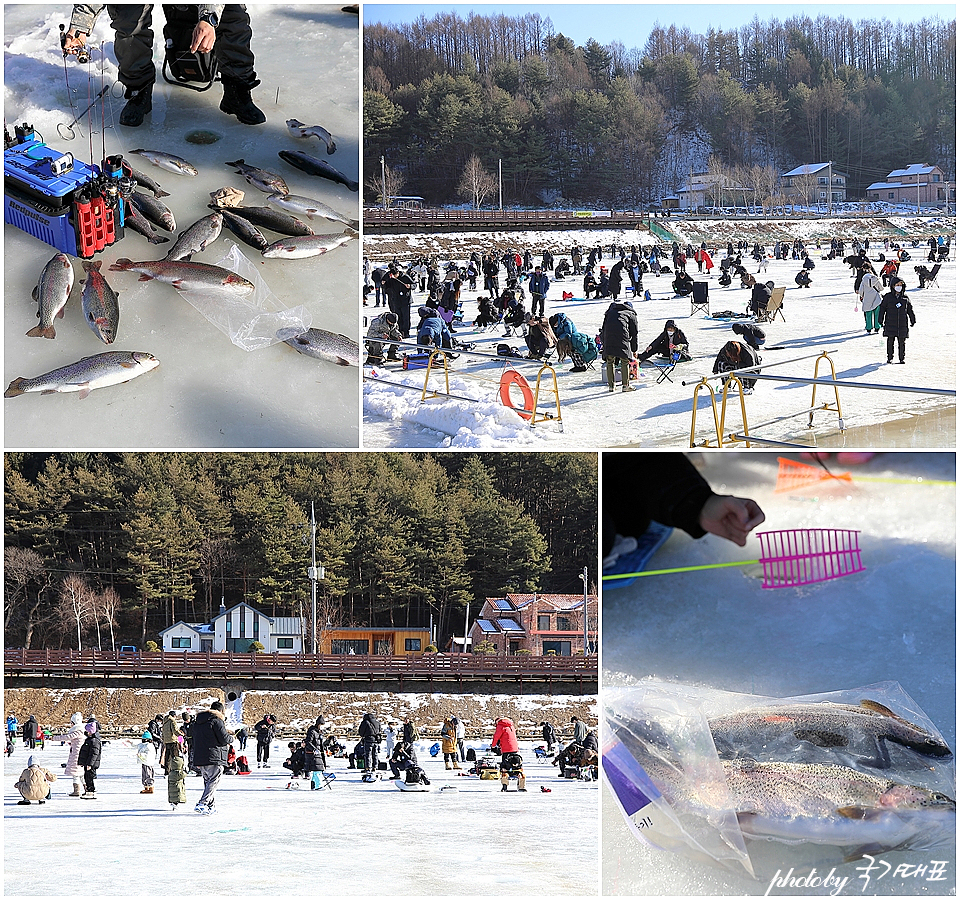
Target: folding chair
(699, 299)
(933, 275)
(774, 306)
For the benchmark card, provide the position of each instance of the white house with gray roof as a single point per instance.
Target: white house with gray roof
(235, 629)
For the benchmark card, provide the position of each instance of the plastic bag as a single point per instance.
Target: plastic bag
(250, 322)
(738, 780)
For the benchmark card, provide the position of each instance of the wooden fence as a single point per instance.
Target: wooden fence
(573, 671)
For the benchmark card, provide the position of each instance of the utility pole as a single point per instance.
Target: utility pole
(466, 627)
(315, 574)
(583, 578)
(500, 181)
(383, 181)
(830, 189)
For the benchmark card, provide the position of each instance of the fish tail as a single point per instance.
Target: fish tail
(14, 390)
(38, 331)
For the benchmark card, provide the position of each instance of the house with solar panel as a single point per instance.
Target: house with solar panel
(538, 624)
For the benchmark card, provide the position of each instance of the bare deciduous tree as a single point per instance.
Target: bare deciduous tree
(388, 182)
(108, 603)
(476, 183)
(74, 608)
(25, 579)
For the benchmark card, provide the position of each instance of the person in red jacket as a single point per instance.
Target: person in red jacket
(511, 763)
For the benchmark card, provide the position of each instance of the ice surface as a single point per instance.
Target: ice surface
(363, 840)
(818, 318)
(894, 621)
(206, 392)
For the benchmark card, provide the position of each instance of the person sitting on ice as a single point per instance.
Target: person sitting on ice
(562, 270)
(34, 783)
(753, 335)
(488, 313)
(760, 297)
(294, 762)
(603, 284)
(590, 284)
(383, 328)
(924, 274)
(432, 330)
(403, 756)
(671, 340)
(808, 262)
(889, 270)
(515, 318)
(803, 279)
(683, 284)
(735, 355)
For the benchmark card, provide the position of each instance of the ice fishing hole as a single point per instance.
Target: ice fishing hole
(202, 137)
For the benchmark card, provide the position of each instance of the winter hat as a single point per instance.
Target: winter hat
(670, 324)
(31, 761)
(76, 719)
(147, 736)
(390, 318)
(90, 728)
(217, 705)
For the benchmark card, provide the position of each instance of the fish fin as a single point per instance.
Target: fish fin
(141, 150)
(37, 331)
(158, 193)
(878, 708)
(13, 390)
(128, 364)
(145, 277)
(342, 362)
(36, 293)
(60, 313)
(353, 224)
(239, 162)
(84, 390)
(91, 264)
(178, 284)
(186, 258)
(822, 738)
(157, 239)
(858, 812)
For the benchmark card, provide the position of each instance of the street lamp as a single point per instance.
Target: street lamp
(583, 578)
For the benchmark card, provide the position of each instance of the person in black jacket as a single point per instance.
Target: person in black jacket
(641, 487)
(370, 735)
(549, 735)
(664, 344)
(297, 759)
(211, 745)
(895, 314)
(753, 335)
(402, 758)
(314, 756)
(410, 733)
(30, 733)
(89, 761)
(265, 730)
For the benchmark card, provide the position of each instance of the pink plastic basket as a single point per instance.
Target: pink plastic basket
(799, 556)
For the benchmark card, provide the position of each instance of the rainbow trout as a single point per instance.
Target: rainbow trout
(87, 374)
(51, 293)
(101, 308)
(862, 730)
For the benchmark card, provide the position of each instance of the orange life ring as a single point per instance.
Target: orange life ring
(511, 377)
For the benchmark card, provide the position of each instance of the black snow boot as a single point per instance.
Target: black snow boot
(139, 103)
(237, 102)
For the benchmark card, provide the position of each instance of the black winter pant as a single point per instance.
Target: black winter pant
(901, 348)
(133, 44)
(90, 780)
(263, 751)
(370, 755)
(538, 300)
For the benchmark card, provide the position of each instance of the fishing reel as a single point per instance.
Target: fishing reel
(81, 53)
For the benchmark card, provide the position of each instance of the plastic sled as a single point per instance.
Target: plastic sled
(647, 545)
(417, 788)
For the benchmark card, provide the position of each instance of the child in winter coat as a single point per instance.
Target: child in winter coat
(147, 755)
(74, 739)
(34, 783)
(89, 761)
(895, 314)
(176, 776)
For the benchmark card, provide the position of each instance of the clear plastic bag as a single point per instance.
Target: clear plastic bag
(250, 322)
(749, 782)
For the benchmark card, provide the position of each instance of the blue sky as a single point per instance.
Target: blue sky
(630, 23)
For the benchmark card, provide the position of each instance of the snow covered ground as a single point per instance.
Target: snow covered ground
(368, 840)
(719, 629)
(820, 318)
(207, 392)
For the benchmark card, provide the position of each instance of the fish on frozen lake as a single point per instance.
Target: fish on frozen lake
(320, 344)
(168, 161)
(51, 294)
(298, 130)
(313, 166)
(87, 374)
(186, 276)
(101, 307)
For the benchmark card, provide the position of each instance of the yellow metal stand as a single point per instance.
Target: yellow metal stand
(836, 391)
(426, 380)
(719, 420)
(546, 368)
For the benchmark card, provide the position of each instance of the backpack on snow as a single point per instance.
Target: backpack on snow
(243, 766)
(416, 775)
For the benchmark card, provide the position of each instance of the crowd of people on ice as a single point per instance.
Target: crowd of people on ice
(205, 746)
(507, 278)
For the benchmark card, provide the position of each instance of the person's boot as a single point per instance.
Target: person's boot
(237, 102)
(447, 765)
(147, 790)
(76, 791)
(139, 103)
(625, 378)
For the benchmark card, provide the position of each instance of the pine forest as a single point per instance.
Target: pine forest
(104, 549)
